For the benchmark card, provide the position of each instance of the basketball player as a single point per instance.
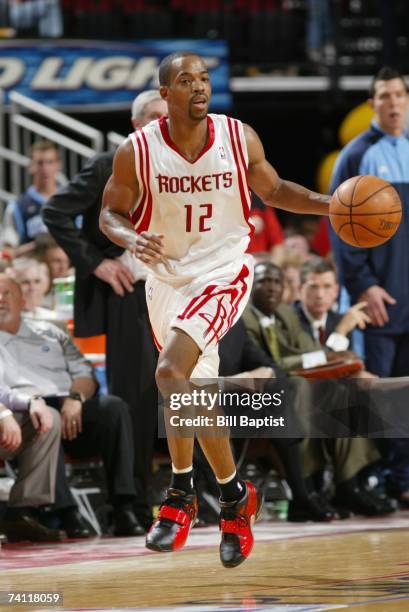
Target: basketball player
(178, 199)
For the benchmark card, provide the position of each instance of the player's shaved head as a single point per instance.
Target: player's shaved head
(166, 65)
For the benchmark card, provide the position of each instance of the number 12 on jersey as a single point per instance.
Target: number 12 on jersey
(207, 214)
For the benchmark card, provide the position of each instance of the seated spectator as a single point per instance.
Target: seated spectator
(29, 434)
(290, 267)
(298, 244)
(319, 293)
(40, 359)
(275, 328)
(48, 251)
(241, 357)
(22, 220)
(315, 231)
(34, 280)
(291, 345)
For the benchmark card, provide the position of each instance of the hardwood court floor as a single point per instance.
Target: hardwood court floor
(361, 563)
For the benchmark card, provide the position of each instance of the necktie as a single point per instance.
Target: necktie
(272, 341)
(322, 336)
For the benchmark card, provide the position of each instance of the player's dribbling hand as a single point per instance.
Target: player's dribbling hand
(376, 297)
(149, 247)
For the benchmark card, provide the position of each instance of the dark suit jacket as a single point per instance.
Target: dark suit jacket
(238, 353)
(86, 247)
(293, 341)
(333, 318)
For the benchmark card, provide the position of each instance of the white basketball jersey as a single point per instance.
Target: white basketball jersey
(201, 207)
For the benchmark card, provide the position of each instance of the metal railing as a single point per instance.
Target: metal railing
(76, 140)
(114, 140)
(15, 159)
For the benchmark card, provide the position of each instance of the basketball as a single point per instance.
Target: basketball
(365, 211)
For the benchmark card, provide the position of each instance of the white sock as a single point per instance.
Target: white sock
(226, 480)
(182, 471)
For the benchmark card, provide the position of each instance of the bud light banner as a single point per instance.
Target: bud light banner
(105, 75)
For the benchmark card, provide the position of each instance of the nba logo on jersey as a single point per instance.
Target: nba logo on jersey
(222, 153)
(150, 292)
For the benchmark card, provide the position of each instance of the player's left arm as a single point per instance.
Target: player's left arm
(273, 190)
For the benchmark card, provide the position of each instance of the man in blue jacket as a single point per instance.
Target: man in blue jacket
(380, 276)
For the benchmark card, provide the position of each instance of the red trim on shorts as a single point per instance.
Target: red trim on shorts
(158, 346)
(164, 128)
(244, 201)
(221, 314)
(185, 313)
(234, 293)
(244, 273)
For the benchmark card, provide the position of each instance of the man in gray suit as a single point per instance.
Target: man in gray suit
(29, 433)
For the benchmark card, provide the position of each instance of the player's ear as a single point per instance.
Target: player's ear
(163, 90)
(370, 102)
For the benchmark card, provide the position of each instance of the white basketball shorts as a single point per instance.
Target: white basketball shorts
(203, 310)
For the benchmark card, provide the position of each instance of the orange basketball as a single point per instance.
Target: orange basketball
(365, 211)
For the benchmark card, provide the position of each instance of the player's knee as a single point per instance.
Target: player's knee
(167, 371)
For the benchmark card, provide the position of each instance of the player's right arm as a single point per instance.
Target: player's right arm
(120, 194)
